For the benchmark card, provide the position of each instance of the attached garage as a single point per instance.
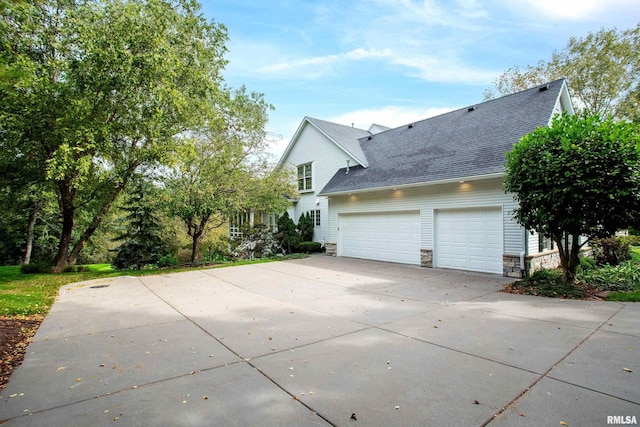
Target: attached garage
(389, 236)
(469, 239)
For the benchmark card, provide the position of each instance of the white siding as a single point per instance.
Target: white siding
(426, 199)
(326, 158)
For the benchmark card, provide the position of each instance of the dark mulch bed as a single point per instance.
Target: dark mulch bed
(15, 335)
(588, 292)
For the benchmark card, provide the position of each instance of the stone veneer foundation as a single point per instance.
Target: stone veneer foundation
(426, 258)
(331, 249)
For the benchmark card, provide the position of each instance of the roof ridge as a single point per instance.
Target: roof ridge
(537, 87)
(335, 123)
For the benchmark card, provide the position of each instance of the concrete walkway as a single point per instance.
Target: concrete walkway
(311, 342)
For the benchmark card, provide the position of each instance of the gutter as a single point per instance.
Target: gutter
(417, 184)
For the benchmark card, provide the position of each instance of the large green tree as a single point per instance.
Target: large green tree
(223, 168)
(602, 70)
(92, 90)
(578, 177)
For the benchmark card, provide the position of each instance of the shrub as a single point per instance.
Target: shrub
(287, 235)
(611, 251)
(310, 247)
(622, 277)
(256, 242)
(587, 263)
(305, 227)
(168, 260)
(631, 240)
(548, 283)
(35, 268)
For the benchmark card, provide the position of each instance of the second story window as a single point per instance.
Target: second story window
(304, 177)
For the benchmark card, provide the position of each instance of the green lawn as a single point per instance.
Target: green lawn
(26, 294)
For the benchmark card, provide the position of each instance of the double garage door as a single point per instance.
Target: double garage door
(466, 239)
(391, 236)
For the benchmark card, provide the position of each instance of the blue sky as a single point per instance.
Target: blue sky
(392, 61)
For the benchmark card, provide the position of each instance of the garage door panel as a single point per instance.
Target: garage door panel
(390, 236)
(469, 239)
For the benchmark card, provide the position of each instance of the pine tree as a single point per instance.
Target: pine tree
(305, 227)
(142, 245)
(287, 234)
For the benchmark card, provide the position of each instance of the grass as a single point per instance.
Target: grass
(628, 296)
(29, 294)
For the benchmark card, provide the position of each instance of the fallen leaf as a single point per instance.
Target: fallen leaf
(521, 414)
(562, 423)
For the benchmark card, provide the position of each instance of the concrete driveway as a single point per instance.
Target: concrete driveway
(325, 342)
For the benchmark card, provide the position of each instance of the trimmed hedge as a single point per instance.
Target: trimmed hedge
(309, 247)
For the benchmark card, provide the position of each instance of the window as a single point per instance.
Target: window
(315, 217)
(545, 243)
(304, 177)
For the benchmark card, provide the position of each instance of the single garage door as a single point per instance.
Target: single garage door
(469, 239)
(390, 236)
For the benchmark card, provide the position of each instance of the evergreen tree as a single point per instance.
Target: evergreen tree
(287, 234)
(142, 245)
(305, 227)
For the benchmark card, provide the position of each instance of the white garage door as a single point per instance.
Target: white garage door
(469, 239)
(392, 236)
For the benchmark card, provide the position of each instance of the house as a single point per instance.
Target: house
(429, 193)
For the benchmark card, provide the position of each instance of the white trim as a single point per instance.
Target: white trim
(417, 184)
(294, 140)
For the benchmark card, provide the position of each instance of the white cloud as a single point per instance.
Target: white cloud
(390, 116)
(300, 66)
(572, 10)
(444, 70)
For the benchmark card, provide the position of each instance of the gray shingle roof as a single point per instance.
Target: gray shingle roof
(458, 144)
(345, 136)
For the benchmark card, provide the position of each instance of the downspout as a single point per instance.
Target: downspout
(524, 252)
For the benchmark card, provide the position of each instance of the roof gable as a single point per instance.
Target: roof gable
(468, 142)
(344, 137)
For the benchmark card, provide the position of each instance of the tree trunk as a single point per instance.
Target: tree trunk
(195, 245)
(97, 220)
(33, 215)
(569, 250)
(68, 211)
(95, 223)
(196, 231)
